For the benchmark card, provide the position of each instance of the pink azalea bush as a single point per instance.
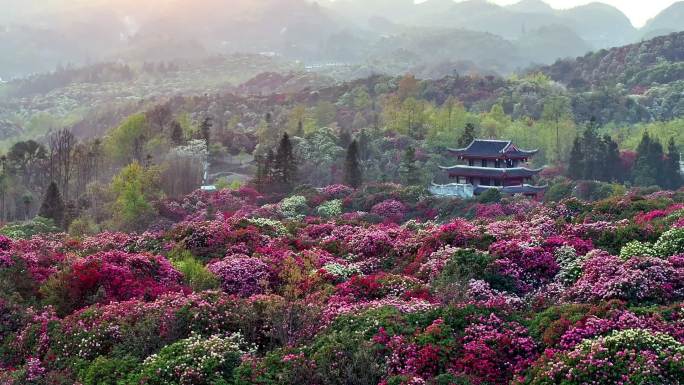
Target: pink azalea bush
(390, 210)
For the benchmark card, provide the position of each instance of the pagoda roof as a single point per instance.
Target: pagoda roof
(513, 190)
(490, 172)
(489, 148)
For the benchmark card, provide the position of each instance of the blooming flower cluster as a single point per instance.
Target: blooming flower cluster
(334, 286)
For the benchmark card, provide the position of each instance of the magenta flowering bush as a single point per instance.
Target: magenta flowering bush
(489, 211)
(525, 266)
(242, 275)
(337, 191)
(390, 210)
(495, 351)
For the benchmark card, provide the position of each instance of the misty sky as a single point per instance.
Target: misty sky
(639, 11)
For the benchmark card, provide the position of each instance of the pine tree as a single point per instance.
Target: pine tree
(644, 173)
(592, 149)
(353, 175)
(576, 162)
(656, 160)
(285, 168)
(53, 205)
(612, 161)
(672, 166)
(408, 171)
(468, 135)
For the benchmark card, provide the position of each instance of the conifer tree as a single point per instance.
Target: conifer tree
(576, 162)
(593, 152)
(269, 164)
(345, 138)
(468, 135)
(285, 168)
(656, 160)
(645, 171)
(407, 170)
(353, 175)
(612, 162)
(672, 166)
(53, 205)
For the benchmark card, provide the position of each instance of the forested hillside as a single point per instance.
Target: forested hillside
(638, 66)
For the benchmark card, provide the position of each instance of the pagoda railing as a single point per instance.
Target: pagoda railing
(459, 190)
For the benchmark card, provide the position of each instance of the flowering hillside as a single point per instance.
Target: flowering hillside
(378, 286)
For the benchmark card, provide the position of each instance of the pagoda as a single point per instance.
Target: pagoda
(490, 164)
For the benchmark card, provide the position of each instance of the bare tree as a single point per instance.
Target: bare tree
(62, 145)
(159, 118)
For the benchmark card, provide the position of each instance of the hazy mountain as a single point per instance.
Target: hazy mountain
(669, 20)
(549, 43)
(531, 6)
(39, 35)
(600, 24)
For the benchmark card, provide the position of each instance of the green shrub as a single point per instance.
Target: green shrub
(83, 226)
(107, 371)
(195, 274)
(559, 191)
(464, 265)
(490, 196)
(25, 230)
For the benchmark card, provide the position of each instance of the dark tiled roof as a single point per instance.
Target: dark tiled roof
(490, 172)
(513, 190)
(484, 148)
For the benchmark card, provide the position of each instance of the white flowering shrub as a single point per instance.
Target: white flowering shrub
(340, 271)
(570, 265)
(670, 243)
(194, 360)
(294, 207)
(268, 225)
(637, 249)
(330, 209)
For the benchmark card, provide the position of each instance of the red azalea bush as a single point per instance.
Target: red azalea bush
(494, 351)
(111, 276)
